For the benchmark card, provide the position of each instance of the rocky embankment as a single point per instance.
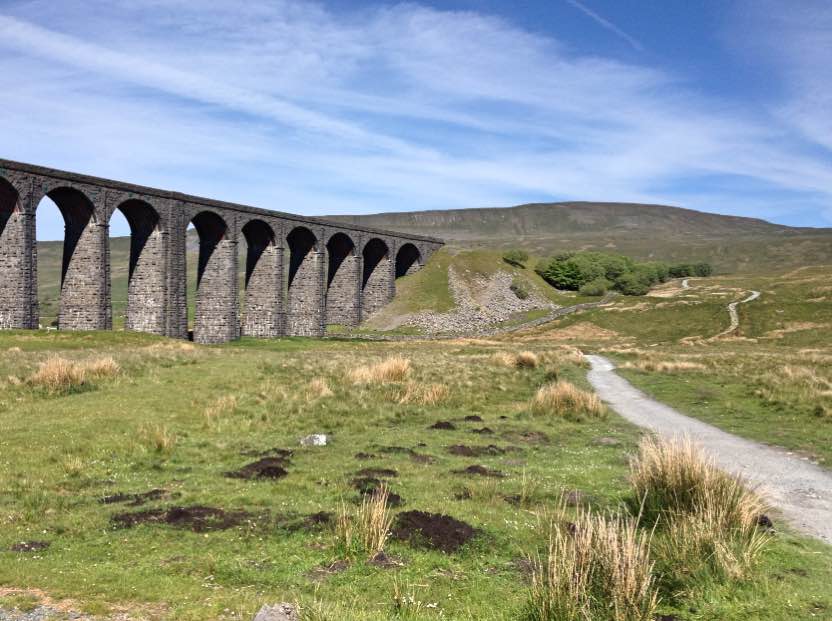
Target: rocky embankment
(481, 303)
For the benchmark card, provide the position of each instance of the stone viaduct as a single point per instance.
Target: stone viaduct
(300, 273)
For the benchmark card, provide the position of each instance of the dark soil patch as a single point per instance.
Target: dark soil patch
(432, 530)
(279, 453)
(473, 418)
(764, 522)
(325, 571)
(311, 522)
(265, 468)
(483, 430)
(367, 486)
(475, 451)
(364, 456)
(135, 500)
(29, 546)
(443, 424)
(421, 458)
(481, 471)
(197, 518)
(525, 567)
(385, 561)
(377, 472)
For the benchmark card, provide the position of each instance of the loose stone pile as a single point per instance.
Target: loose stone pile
(479, 305)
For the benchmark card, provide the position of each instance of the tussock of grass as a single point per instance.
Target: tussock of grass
(365, 530)
(318, 388)
(664, 366)
(597, 567)
(707, 518)
(393, 369)
(216, 410)
(423, 394)
(565, 400)
(157, 438)
(522, 360)
(58, 374)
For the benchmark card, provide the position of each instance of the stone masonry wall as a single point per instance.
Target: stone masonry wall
(290, 288)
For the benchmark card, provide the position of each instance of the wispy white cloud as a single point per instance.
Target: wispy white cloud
(284, 104)
(605, 23)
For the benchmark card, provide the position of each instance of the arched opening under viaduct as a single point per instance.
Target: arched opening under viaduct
(215, 308)
(342, 281)
(408, 260)
(137, 268)
(377, 278)
(76, 298)
(304, 284)
(263, 283)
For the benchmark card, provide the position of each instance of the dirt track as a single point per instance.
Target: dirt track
(800, 490)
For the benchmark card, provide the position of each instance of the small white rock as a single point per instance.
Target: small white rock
(278, 612)
(315, 439)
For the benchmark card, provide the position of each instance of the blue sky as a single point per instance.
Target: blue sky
(353, 106)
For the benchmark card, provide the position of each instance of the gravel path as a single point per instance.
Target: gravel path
(800, 490)
(735, 317)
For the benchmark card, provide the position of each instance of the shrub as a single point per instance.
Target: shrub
(596, 567)
(597, 287)
(516, 257)
(703, 269)
(393, 369)
(565, 400)
(526, 360)
(632, 284)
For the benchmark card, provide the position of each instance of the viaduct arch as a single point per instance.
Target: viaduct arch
(300, 273)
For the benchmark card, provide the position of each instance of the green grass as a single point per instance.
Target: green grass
(61, 454)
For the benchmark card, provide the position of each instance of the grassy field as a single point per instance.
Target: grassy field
(177, 418)
(770, 381)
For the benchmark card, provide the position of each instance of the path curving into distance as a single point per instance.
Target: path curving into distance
(735, 316)
(800, 490)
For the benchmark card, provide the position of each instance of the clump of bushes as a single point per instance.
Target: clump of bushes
(521, 360)
(516, 257)
(565, 400)
(595, 273)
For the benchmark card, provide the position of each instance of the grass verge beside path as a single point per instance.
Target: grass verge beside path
(185, 427)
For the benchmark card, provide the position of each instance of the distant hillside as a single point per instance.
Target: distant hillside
(643, 231)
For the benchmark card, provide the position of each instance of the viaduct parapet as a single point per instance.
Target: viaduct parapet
(301, 273)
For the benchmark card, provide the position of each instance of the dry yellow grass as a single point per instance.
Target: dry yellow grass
(597, 567)
(526, 360)
(393, 369)
(318, 388)
(664, 366)
(423, 394)
(366, 529)
(58, 374)
(708, 518)
(217, 409)
(157, 438)
(565, 400)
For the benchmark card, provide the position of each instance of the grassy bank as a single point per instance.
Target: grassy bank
(167, 422)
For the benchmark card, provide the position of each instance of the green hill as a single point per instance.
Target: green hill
(731, 243)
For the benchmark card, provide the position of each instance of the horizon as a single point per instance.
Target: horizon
(353, 107)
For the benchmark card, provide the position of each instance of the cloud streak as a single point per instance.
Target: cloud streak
(605, 23)
(286, 105)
